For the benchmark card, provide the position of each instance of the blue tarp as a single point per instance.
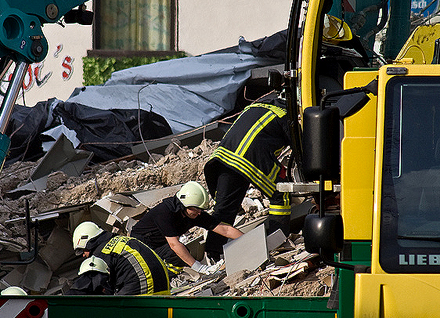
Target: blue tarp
(154, 100)
(188, 92)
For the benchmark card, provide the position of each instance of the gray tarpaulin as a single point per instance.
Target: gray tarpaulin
(187, 92)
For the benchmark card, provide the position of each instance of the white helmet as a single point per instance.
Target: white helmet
(193, 194)
(93, 263)
(13, 291)
(84, 233)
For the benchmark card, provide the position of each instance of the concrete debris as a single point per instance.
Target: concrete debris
(248, 251)
(115, 195)
(119, 208)
(58, 248)
(61, 161)
(299, 274)
(37, 277)
(275, 239)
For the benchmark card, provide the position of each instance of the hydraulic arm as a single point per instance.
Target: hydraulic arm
(22, 42)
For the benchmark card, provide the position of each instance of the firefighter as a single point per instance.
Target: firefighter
(248, 154)
(93, 278)
(134, 268)
(162, 226)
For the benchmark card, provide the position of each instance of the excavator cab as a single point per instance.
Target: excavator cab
(367, 133)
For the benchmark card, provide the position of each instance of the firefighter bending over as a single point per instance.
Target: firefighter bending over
(162, 226)
(248, 154)
(134, 268)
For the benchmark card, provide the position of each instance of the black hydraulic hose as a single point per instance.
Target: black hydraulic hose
(28, 222)
(291, 82)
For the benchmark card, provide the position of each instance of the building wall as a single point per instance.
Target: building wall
(203, 26)
(62, 70)
(209, 25)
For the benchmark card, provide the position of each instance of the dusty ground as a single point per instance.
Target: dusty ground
(179, 165)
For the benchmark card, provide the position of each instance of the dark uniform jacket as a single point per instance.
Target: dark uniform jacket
(91, 283)
(251, 147)
(167, 219)
(135, 269)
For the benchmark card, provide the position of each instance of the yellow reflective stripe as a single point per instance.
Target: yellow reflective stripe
(174, 269)
(279, 209)
(280, 112)
(118, 244)
(163, 292)
(274, 172)
(145, 268)
(278, 152)
(162, 262)
(255, 175)
(258, 178)
(170, 312)
(259, 125)
(278, 212)
(286, 199)
(114, 246)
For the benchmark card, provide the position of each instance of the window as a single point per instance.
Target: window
(135, 25)
(410, 205)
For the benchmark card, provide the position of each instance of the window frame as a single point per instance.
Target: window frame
(96, 51)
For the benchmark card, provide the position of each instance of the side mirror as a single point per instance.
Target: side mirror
(323, 234)
(321, 143)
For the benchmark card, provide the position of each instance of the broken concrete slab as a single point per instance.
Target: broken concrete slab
(249, 226)
(32, 186)
(124, 213)
(281, 261)
(58, 290)
(151, 198)
(118, 209)
(13, 278)
(239, 220)
(303, 256)
(275, 281)
(190, 274)
(248, 251)
(285, 258)
(58, 248)
(123, 200)
(63, 157)
(37, 276)
(193, 288)
(196, 247)
(275, 239)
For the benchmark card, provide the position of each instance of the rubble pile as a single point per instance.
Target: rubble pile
(115, 195)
